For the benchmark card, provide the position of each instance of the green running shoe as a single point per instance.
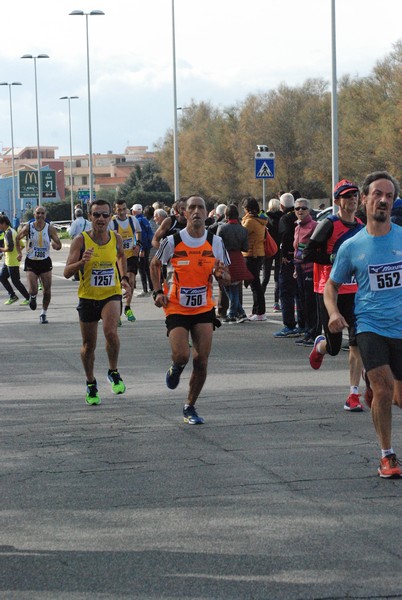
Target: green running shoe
(119, 323)
(24, 303)
(11, 300)
(129, 315)
(92, 396)
(116, 382)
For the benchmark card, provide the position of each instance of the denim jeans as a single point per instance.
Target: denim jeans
(235, 307)
(289, 296)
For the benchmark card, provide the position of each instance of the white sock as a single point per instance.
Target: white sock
(385, 453)
(354, 389)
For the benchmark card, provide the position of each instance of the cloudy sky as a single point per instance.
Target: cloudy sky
(225, 49)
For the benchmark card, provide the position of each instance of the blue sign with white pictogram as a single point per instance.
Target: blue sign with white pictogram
(264, 168)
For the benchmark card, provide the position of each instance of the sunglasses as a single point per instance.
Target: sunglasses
(97, 215)
(301, 208)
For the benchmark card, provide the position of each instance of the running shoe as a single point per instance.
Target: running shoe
(173, 376)
(43, 319)
(32, 302)
(129, 315)
(368, 394)
(190, 416)
(24, 303)
(40, 286)
(257, 318)
(390, 467)
(353, 403)
(315, 357)
(11, 300)
(286, 332)
(142, 294)
(306, 341)
(116, 382)
(242, 318)
(276, 308)
(119, 322)
(92, 396)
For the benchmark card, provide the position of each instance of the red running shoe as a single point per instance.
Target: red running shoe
(368, 394)
(390, 467)
(353, 403)
(315, 357)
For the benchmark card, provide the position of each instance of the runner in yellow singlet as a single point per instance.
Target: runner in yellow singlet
(99, 257)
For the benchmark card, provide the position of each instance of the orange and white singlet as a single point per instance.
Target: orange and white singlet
(192, 260)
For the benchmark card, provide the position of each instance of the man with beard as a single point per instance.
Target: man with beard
(374, 257)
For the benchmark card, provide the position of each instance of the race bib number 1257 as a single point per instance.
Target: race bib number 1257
(102, 277)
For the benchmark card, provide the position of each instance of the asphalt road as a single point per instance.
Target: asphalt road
(276, 496)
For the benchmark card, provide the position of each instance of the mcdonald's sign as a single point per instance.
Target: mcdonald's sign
(28, 184)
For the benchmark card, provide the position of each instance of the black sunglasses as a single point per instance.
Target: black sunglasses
(301, 208)
(96, 214)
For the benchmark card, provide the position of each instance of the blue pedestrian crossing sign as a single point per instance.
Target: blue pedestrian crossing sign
(264, 165)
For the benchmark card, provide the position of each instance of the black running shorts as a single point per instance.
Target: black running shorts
(377, 351)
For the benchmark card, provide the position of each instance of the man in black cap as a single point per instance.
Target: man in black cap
(327, 237)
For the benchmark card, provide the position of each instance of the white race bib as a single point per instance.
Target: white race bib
(39, 253)
(385, 277)
(194, 296)
(128, 243)
(102, 277)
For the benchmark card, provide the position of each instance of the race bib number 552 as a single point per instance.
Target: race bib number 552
(102, 277)
(196, 296)
(385, 277)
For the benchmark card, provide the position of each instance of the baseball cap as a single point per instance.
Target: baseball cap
(137, 207)
(343, 187)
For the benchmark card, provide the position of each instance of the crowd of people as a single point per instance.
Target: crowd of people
(344, 271)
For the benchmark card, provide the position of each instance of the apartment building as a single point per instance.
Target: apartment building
(109, 170)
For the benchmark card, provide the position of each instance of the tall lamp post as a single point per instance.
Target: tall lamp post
(334, 102)
(69, 98)
(90, 14)
(175, 131)
(37, 122)
(12, 140)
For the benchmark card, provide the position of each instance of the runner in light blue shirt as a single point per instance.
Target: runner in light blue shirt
(374, 258)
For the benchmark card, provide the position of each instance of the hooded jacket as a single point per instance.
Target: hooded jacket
(255, 226)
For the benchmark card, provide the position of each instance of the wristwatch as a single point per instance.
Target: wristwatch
(155, 294)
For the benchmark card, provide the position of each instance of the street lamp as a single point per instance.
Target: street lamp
(90, 14)
(37, 121)
(175, 132)
(12, 140)
(69, 98)
(334, 102)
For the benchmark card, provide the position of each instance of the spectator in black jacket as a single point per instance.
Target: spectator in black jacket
(287, 283)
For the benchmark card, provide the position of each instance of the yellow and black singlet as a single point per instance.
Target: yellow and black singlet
(100, 277)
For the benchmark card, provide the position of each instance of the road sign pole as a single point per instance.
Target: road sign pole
(263, 195)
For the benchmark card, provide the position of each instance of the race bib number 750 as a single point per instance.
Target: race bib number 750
(195, 296)
(385, 277)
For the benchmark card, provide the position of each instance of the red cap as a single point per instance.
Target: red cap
(343, 187)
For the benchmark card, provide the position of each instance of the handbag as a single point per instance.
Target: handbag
(270, 246)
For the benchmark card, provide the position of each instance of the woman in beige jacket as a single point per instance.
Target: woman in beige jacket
(255, 225)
